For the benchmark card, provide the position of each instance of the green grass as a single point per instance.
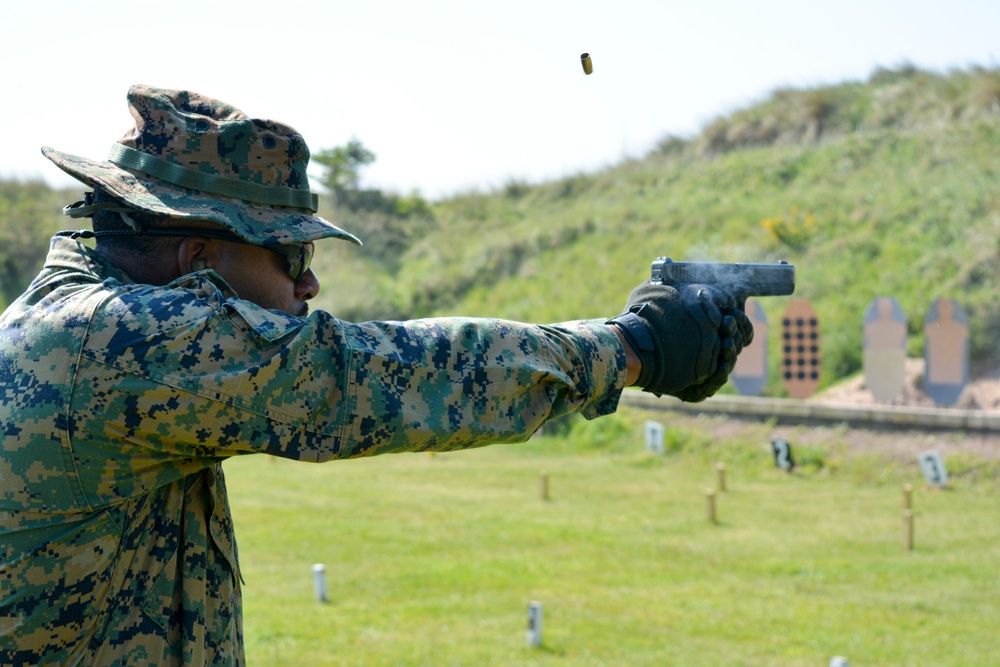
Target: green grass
(433, 559)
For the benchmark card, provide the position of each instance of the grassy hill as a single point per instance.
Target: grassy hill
(882, 188)
(886, 187)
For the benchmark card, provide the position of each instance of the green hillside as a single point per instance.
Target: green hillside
(886, 187)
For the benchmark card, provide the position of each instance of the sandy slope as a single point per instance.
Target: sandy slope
(982, 393)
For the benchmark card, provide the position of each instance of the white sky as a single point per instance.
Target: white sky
(450, 95)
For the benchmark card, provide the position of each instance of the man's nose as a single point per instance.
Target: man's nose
(307, 287)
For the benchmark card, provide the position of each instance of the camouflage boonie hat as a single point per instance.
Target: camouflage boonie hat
(195, 158)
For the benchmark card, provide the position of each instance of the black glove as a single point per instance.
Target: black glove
(687, 337)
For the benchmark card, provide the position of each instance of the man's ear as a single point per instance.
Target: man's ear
(194, 253)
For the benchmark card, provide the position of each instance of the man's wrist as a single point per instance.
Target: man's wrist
(632, 362)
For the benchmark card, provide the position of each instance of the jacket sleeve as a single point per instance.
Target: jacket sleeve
(163, 378)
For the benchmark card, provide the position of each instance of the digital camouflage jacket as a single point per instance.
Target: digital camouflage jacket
(119, 401)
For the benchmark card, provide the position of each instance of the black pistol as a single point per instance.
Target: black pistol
(742, 280)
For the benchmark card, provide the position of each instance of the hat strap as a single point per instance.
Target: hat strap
(175, 174)
(83, 209)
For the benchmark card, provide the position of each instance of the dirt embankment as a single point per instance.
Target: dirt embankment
(981, 393)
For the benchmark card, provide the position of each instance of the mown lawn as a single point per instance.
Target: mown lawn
(434, 559)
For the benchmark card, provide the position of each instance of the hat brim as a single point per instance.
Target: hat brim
(262, 225)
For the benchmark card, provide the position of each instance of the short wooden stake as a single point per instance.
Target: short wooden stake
(908, 529)
(545, 486)
(907, 497)
(710, 505)
(720, 473)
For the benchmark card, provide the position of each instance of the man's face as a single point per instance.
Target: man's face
(259, 275)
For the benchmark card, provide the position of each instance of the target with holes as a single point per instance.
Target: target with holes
(800, 345)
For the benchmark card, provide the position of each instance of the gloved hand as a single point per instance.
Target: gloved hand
(687, 337)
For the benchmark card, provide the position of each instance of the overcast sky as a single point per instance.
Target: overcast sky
(449, 95)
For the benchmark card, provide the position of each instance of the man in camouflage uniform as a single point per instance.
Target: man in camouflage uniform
(130, 371)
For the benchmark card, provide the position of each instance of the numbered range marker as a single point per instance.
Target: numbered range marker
(654, 437)
(534, 636)
(782, 454)
(319, 582)
(933, 466)
(801, 350)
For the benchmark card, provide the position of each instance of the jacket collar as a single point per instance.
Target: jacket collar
(68, 255)
(71, 260)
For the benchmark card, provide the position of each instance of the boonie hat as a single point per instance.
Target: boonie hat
(195, 158)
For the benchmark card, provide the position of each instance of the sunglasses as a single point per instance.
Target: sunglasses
(297, 256)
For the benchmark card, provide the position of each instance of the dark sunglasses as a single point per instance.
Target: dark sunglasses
(297, 256)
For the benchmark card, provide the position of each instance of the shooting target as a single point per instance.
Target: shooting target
(946, 351)
(884, 353)
(800, 366)
(750, 373)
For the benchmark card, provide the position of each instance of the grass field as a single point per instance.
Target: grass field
(434, 559)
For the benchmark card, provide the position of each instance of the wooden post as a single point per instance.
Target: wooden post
(710, 505)
(908, 517)
(545, 486)
(720, 473)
